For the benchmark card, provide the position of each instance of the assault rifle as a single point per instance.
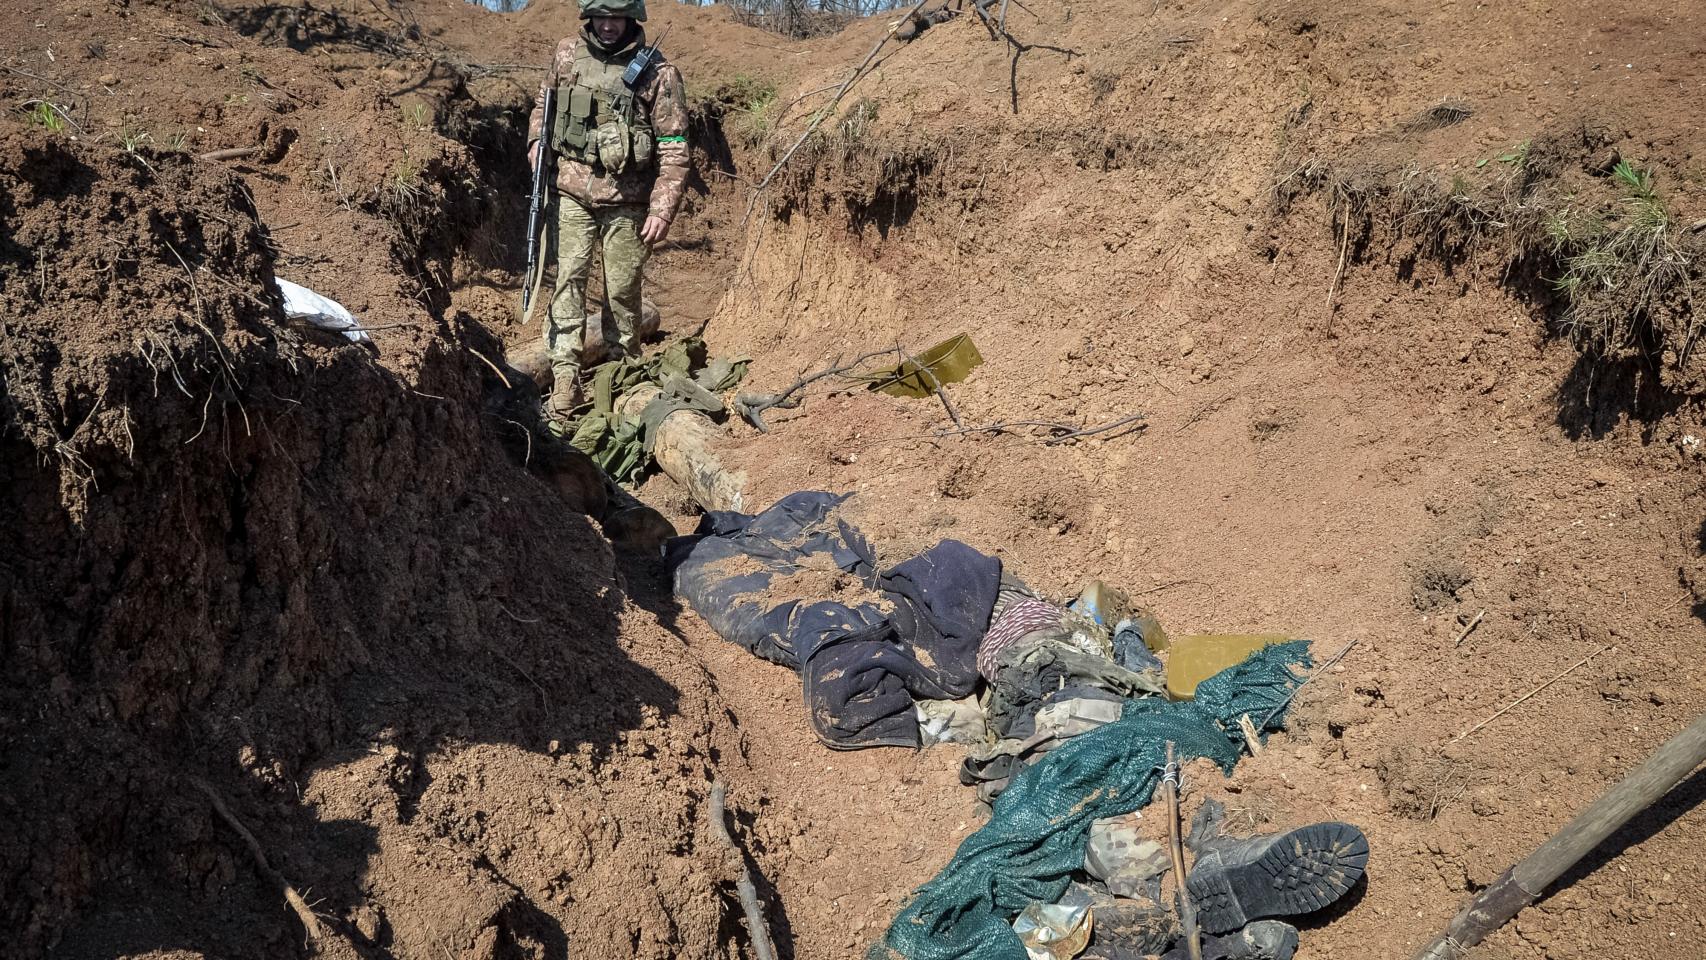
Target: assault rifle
(536, 202)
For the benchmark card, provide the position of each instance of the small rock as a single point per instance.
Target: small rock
(1187, 344)
(1604, 161)
(554, 748)
(368, 922)
(107, 80)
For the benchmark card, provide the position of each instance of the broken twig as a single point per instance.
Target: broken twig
(1058, 432)
(752, 405)
(1513, 704)
(494, 367)
(756, 929)
(824, 112)
(234, 153)
(310, 922)
(933, 382)
(1338, 275)
(1017, 47)
(1470, 628)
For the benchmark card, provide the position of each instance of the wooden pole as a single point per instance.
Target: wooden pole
(1187, 909)
(1522, 884)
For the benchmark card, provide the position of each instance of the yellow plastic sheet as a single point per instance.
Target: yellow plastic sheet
(1195, 659)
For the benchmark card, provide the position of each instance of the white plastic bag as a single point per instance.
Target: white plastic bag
(301, 303)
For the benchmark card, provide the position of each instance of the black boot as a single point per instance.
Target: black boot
(1300, 871)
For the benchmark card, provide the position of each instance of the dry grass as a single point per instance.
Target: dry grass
(1604, 255)
(1626, 277)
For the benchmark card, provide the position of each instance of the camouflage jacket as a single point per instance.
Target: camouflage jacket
(659, 185)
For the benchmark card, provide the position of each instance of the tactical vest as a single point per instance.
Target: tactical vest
(600, 122)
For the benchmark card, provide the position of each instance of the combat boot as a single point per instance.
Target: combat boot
(1237, 881)
(566, 395)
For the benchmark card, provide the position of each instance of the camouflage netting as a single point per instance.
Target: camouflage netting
(1035, 839)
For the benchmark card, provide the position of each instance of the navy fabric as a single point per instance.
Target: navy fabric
(943, 599)
(861, 666)
(776, 541)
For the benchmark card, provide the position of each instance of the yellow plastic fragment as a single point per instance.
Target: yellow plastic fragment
(948, 362)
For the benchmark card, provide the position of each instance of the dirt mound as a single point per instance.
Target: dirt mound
(245, 555)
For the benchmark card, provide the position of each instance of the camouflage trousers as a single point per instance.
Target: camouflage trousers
(579, 229)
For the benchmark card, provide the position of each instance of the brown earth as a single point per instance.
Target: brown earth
(465, 726)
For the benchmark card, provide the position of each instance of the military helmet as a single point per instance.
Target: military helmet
(633, 9)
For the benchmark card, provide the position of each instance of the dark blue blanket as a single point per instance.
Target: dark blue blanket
(862, 665)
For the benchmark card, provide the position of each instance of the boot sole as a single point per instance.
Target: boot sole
(1299, 872)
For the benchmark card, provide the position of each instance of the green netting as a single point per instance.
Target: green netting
(1036, 835)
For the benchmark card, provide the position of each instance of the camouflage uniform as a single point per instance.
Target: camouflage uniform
(598, 205)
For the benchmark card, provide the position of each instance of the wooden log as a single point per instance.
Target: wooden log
(1522, 884)
(685, 450)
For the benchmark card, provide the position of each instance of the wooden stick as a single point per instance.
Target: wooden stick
(1523, 883)
(235, 153)
(1252, 739)
(1338, 275)
(809, 93)
(756, 929)
(1512, 705)
(494, 367)
(1187, 909)
(935, 384)
(1470, 628)
(310, 923)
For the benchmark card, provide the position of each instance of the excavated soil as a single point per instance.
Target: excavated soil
(348, 592)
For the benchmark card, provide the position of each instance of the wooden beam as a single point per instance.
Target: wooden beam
(1522, 884)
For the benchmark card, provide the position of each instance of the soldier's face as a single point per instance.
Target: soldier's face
(609, 29)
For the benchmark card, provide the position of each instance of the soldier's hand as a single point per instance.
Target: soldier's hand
(533, 155)
(654, 230)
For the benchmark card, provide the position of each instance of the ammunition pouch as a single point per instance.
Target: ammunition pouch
(611, 133)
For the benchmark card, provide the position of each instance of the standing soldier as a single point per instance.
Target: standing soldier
(621, 169)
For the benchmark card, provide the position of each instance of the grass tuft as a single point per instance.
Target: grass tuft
(1626, 279)
(44, 115)
(753, 105)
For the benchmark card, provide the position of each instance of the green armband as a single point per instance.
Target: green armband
(672, 139)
